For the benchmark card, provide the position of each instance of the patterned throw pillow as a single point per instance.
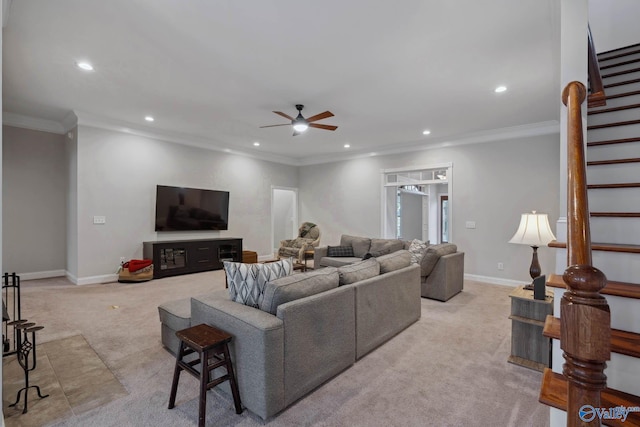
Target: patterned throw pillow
(340, 251)
(247, 281)
(417, 250)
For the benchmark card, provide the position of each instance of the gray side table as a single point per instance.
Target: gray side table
(529, 347)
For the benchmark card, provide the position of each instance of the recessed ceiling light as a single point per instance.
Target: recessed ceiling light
(426, 132)
(500, 89)
(84, 66)
(347, 145)
(149, 118)
(256, 144)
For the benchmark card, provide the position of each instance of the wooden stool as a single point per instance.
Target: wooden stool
(209, 343)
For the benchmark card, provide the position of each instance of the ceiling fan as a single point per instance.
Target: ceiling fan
(300, 124)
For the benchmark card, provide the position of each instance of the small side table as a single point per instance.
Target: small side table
(308, 255)
(210, 344)
(529, 347)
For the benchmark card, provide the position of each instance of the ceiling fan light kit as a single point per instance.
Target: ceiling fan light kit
(300, 124)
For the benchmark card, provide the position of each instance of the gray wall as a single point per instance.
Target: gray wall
(34, 201)
(117, 177)
(101, 172)
(492, 184)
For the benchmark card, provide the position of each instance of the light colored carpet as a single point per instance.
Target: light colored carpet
(448, 369)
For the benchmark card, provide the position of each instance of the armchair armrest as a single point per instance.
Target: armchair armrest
(286, 243)
(446, 278)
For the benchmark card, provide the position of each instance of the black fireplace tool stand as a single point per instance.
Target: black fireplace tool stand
(26, 351)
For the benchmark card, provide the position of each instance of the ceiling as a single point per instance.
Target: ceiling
(212, 72)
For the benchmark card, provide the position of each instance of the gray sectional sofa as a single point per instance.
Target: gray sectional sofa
(441, 265)
(308, 328)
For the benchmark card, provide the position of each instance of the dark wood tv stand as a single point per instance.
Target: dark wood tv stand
(175, 257)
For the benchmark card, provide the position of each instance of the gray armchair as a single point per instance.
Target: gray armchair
(308, 238)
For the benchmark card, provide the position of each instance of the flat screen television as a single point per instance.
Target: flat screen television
(181, 209)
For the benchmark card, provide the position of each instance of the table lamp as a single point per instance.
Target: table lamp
(534, 231)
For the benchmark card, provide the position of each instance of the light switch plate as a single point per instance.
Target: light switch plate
(98, 219)
(470, 224)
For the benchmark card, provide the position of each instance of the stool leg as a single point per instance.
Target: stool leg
(176, 376)
(232, 380)
(204, 381)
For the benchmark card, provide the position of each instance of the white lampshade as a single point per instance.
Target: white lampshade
(534, 230)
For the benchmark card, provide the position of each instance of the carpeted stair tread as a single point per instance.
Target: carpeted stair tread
(621, 289)
(622, 342)
(553, 392)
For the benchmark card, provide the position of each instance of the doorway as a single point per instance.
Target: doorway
(416, 203)
(284, 215)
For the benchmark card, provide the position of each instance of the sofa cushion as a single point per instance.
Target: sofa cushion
(176, 314)
(417, 250)
(360, 245)
(247, 281)
(433, 254)
(359, 271)
(328, 261)
(377, 253)
(392, 245)
(339, 251)
(394, 261)
(289, 288)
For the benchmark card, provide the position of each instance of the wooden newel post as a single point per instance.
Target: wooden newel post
(585, 334)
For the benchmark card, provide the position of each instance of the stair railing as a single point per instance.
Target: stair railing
(585, 333)
(597, 97)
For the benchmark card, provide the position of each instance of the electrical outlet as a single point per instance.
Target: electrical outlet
(500, 266)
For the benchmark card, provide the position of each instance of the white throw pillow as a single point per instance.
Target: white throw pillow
(247, 281)
(417, 250)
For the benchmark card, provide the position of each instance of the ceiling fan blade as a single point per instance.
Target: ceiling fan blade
(270, 126)
(320, 116)
(325, 127)
(286, 116)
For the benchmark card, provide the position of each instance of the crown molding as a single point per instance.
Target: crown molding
(33, 123)
(87, 119)
(75, 118)
(70, 121)
(533, 129)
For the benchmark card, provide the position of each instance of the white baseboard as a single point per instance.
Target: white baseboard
(494, 280)
(42, 274)
(93, 280)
